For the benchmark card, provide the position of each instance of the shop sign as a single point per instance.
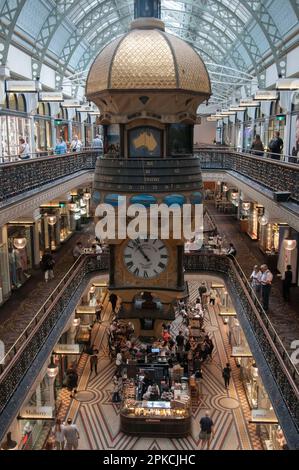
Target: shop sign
(241, 351)
(263, 416)
(39, 412)
(67, 349)
(54, 97)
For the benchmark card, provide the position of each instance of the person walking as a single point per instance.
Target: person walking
(58, 433)
(72, 381)
(202, 290)
(47, 265)
(226, 374)
(257, 147)
(276, 146)
(212, 297)
(94, 361)
(266, 283)
(113, 300)
(206, 430)
(287, 283)
(255, 280)
(72, 435)
(98, 310)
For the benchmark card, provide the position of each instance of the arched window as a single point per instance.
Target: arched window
(41, 109)
(22, 104)
(47, 109)
(12, 102)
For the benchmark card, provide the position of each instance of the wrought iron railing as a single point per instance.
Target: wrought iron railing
(24, 176)
(272, 174)
(21, 356)
(282, 368)
(21, 177)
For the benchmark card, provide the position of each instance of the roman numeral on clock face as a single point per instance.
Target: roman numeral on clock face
(146, 259)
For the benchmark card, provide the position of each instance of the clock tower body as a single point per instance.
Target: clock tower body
(148, 85)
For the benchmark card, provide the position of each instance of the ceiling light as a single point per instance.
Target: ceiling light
(266, 95)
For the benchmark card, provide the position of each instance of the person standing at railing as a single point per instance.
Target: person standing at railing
(276, 146)
(61, 147)
(257, 147)
(255, 280)
(97, 144)
(76, 144)
(266, 283)
(24, 150)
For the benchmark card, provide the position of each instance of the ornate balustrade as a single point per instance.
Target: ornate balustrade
(274, 175)
(21, 356)
(21, 177)
(278, 360)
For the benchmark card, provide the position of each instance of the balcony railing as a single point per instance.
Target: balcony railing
(282, 368)
(272, 174)
(20, 357)
(23, 176)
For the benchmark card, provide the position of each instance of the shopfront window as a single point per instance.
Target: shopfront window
(13, 126)
(76, 126)
(42, 128)
(274, 124)
(61, 124)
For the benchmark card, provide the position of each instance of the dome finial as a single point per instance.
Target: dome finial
(147, 9)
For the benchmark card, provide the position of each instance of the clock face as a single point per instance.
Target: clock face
(146, 259)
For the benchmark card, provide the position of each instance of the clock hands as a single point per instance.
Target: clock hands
(139, 248)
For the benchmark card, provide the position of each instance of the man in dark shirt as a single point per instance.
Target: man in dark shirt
(226, 374)
(206, 430)
(287, 283)
(113, 300)
(202, 290)
(180, 340)
(276, 146)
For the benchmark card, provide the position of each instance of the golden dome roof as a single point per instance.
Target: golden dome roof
(147, 58)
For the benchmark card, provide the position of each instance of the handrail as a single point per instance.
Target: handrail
(283, 157)
(24, 335)
(38, 154)
(28, 175)
(272, 174)
(278, 360)
(269, 325)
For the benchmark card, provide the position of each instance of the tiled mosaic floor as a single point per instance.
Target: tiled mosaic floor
(98, 418)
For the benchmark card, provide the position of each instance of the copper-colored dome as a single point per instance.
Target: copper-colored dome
(147, 58)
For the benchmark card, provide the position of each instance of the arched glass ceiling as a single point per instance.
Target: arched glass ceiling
(68, 34)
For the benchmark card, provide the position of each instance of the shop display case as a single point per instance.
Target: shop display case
(157, 418)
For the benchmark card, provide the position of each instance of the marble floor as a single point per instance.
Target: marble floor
(98, 418)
